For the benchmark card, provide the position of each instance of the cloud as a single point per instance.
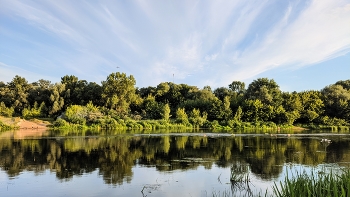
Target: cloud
(319, 33)
(195, 42)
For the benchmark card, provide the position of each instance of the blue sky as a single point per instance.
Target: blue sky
(301, 44)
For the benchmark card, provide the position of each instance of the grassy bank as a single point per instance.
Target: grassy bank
(333, 128)
(4, 127)
(152, 125)
(8, 123)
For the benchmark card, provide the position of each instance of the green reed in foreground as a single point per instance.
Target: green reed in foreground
(330, 184)
(314, 184)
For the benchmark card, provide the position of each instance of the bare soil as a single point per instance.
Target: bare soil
(27, 128)
(299, 128)
(26, 124)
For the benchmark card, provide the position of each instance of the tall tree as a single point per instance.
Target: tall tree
(337, 101)
(313, 105)
(227, 111)
(92, 92)
(181, 116)
(223, 92)
(151, 109)
(166, 112)
(292, 105)
(237, 86)
(345, 84)
(18, 93)
(145, 92)
(266, 90)
(118, 92)
(253, 110)
(56, 99)
(74, 90)
(39, 92)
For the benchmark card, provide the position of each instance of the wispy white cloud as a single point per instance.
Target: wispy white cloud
(319, 33)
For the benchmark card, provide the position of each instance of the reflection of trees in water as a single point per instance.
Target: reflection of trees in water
(268, 167)
(266, 156)
(115, 156)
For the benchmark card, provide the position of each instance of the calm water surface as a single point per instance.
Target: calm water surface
(173, 164)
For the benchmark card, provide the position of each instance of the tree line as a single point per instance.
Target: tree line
(82, 102)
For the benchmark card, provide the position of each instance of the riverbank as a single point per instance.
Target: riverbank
(22, 124)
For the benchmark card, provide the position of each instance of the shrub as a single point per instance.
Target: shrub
(60, 123)
(6, 111)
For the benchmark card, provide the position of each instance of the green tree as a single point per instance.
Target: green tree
(118, 92)
(166, 112)
(196, 119)
(237, 86)
(17, 93)
(76, 114)
(266, 90)
(238, 115)
(92, 92)
(345, 84)
(223, 92)
(56, 102)
(181, 116)
(337, 101)
(35, 111)
(313, 105)
(144, 92)
(40, 93)
(227, 113)
(151, 108)
(75, 91)
(253, 110)
(292, 105)
(6, 111)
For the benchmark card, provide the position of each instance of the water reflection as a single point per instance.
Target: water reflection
(115, 156)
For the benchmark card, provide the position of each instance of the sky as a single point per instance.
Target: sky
(301, 44)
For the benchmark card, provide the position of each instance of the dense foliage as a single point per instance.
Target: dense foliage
(88, 103)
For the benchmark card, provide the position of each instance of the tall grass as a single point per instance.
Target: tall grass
(330, 184)
(240, 181)
(5, 127)
(239, 173)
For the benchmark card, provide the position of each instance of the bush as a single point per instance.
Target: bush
(6, 111)
(60, 123)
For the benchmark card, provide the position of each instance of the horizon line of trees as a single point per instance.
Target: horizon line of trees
(117, 97)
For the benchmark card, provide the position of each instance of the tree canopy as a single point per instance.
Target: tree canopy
(117, 96)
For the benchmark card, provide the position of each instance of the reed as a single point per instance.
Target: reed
(332, 184)
(239, 173)
(321, 184)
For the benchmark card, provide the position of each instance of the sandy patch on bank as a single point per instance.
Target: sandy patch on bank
(27, 128)
(30, 129)
(25, 124)
(295, 128)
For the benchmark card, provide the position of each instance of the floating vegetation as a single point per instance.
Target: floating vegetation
(239, 173)
(193, 160)
(240, 179)
(149, 188)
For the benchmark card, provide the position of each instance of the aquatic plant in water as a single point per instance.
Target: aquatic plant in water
(321, 184)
